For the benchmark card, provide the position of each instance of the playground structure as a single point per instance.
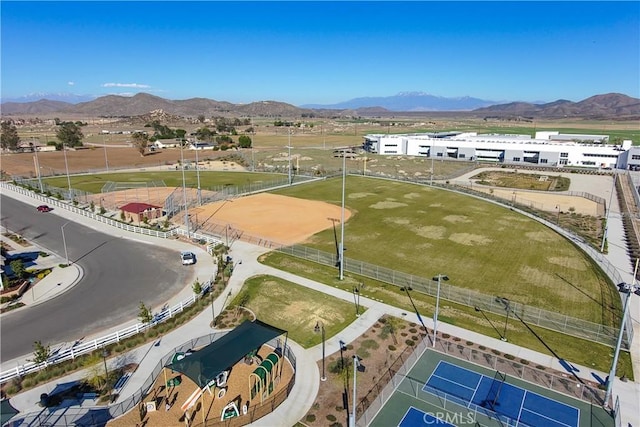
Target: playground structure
(263, 379)
(208, 385)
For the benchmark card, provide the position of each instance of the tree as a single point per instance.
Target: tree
(144, 313)
(205, 134)
(180, 133)
(244, 141)
(9, 139)
(201, 118)
(140, 141)
(70, 134)
(41, 353)
(17, 266)
(196, 287)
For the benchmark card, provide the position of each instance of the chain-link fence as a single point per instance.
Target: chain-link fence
(396, 379)
(532, 315)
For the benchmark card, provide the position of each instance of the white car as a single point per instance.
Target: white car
(187, 258)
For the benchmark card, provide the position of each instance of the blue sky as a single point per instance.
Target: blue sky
(322, 52)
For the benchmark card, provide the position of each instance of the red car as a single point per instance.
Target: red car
(44, 208)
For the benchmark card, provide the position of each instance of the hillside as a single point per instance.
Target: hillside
(599, 107)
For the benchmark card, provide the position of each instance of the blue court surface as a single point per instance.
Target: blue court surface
(496, 396)
(416, 418)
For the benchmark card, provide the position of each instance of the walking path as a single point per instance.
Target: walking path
(308, 376)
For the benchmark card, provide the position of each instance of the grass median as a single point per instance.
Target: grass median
(294, 308)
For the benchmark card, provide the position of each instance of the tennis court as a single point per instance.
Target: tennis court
(514, 405)
(415, 417)
(438, 389)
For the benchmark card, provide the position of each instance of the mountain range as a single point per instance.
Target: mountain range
(607, 106)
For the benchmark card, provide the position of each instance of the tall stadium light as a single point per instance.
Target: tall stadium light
(198, 177)
(106, 160)
(66, 166)
(344, 174)
(289, 147)
(184, 191)
(431, 155)
(35, 150)
(439, 278)
(606, 221)
(614, 364)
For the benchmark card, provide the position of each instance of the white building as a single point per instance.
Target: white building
(546, 149)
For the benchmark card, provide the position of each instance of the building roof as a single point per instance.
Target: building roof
(204, 365)
(137, 208)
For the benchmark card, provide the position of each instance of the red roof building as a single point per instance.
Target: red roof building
(139, 211)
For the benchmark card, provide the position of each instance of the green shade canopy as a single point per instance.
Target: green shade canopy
(6, 411)
(204, 365)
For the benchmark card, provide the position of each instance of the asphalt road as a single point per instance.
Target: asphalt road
(118, 275)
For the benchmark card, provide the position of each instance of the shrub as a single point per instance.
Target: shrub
(445, 336)
(410, 343)
(310, 418)
(392, 347)
(509, 356)
(331, 417)
(469, 342)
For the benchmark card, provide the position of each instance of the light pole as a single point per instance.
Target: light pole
(439, 278)
(35, 150)
(66, 166)
(431, 155)
(106, 161)
(614, 364)
(356, 297)
(320, 328)
(490, 322)
(357, 366)
(507, 307)
(106, 372)
(606, 221)
(289, 147)
(344, 174)
(198, 177)
(64, 242)
(184, 191)
(558, 215)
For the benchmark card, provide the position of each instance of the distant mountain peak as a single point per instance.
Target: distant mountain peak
(413, 93)
(71, 98)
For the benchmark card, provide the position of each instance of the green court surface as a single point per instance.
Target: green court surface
(442, 390)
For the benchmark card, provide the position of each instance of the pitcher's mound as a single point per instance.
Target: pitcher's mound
(276, 218)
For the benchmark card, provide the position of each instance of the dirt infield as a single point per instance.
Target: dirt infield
(547, 201)
(113, 200)
(276, 218)
(268, 217)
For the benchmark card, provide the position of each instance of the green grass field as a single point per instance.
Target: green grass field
(208, 179)
(479, 245)
(294, 308)
(576, 350)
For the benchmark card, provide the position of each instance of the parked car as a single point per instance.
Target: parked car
(44, 208)
(187, 258)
